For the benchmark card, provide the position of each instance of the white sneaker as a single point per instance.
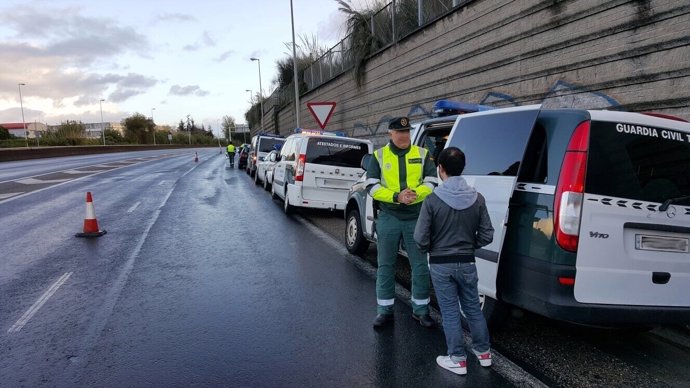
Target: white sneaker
(484, 358)
(459, 368)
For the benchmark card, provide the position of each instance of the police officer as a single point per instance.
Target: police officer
(231, 154)
(399, 177)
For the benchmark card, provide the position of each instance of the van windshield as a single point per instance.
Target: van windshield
(266, 143)
(638, 162)
(336, 151)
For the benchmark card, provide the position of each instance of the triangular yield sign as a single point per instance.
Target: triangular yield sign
(321, 111)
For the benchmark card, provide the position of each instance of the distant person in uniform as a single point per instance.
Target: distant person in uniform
(231, 154)
(452, 223)
(400, 176)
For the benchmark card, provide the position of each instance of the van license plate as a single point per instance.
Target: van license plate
(659, 243)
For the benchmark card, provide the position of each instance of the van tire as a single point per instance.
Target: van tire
(495, 312)
(267, 186)
(273, 192)
(287, 208)
(354, 239)
(256, 177)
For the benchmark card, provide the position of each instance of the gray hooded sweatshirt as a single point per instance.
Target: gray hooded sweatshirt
(453, 222)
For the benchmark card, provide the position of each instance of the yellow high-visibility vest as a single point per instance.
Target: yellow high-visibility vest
(390, 174)
(231, 148)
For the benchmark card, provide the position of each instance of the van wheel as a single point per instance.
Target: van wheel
(267, 186)
(256, 177)
(354, 239)
(287, 208)
(273, 192)
(495, 312)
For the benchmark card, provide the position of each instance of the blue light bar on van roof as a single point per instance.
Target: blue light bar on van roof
(447, 108)
(318, 132)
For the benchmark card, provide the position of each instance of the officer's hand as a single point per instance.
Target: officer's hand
(407, 196)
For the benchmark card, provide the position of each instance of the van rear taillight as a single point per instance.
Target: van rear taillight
(299, 173)
(570, 189)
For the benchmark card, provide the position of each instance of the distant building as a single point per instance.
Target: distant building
(33, 129)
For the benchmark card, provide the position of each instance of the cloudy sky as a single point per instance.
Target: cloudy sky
(178, 56)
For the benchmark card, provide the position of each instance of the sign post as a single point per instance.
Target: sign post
(322, 111)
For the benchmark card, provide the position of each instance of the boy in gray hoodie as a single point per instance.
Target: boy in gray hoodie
(453, 222)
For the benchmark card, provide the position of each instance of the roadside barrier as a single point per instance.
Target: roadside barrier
(90, 222)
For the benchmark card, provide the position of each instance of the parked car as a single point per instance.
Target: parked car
(262, 144)
(243, 157)
(591, 211)
(317, 168)
(263, 167)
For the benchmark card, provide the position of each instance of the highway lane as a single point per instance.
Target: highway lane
(198, 282)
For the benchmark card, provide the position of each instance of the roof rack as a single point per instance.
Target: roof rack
(319, 132)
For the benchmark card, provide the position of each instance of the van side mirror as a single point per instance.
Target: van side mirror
(365, 161)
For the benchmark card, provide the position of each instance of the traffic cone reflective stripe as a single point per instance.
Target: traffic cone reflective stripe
(90, 222)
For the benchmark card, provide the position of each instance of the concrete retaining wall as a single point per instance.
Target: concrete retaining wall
(628, 55)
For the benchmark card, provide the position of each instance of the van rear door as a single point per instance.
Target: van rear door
(494, 144)
(630, 252)
(332, 167)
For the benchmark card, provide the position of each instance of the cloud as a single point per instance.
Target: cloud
(204, 41)
(225, 55)
(72, 37)
(121, 95)
(175, 17)
(195, 90)
(57, 62)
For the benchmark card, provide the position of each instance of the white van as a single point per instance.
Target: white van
(261, 145)
(317, 168)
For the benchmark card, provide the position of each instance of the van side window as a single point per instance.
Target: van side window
(286, 149)
(434, 140)
(493, 144)
(534, 163)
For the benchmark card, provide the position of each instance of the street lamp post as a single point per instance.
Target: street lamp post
(294, 67)
(21, 104)
(261, 98)
(189, 129)
(102, 129)
(154, 126)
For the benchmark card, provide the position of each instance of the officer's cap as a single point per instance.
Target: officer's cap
(399, 124)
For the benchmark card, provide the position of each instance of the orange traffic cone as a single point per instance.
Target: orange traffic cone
(90, 223)
(196, 157)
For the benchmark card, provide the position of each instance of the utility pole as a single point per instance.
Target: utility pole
(102, 128)
(189, 128)
(154, 126)
(21, 104)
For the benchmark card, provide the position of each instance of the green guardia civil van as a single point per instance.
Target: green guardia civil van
(591, 211)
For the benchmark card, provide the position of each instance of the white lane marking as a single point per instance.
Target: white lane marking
(131, 209)
(39, 303)
(34, 181)
(161, 183)
(75, 172)
(7, 195)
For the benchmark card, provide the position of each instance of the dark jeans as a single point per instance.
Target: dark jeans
(455, 281)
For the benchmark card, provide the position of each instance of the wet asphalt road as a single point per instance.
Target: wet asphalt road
(199, 282)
